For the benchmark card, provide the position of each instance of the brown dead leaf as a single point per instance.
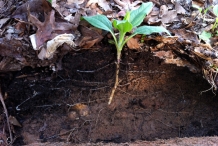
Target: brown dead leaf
(49, 29)
(165, 40)
(102, 3)
(3, 21)
(36, 7)
(179, 9)
(21, 27)
(183, 34)
(164, 54)
(127, 5)
(133, 43)
(14, 121)
(170, 58)
(89, 36)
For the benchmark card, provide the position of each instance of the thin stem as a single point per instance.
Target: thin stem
(119, 47)
(121, 41)
(114, 37)
(215, 25)
(6, 113)
(116, 82)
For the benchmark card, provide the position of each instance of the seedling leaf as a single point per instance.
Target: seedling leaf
(215, 10)
(123, 25)
(99, 21)
(127, 16)
(147, 30)
(138, 15)
(205, 36)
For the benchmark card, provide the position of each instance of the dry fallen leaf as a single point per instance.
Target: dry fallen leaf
(14, 121)
(102, 3)
(179, 9)
(171, 58)
(133, 43)
(183, 34)
(89, 36)
(127, 5)
(166, 15)
(36, 7)
(78, 2)
(3, 21)
(49, 29)
(52, 45)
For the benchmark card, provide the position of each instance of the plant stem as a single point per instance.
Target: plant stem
(116, 82)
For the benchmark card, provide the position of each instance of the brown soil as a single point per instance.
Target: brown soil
(153, 100)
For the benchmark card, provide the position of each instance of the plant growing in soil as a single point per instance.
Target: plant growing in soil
(130, 23)
(215, 11)
(207, 35)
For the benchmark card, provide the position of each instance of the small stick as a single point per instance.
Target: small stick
(116, 82)
(6, 113)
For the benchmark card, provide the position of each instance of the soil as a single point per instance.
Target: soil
(153, 101)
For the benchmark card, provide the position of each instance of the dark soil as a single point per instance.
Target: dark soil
(154, 100)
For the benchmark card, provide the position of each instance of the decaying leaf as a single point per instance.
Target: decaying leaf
(102, 3)
(49, 29)
(3, 21)
(205, 53)
(127, 5)
(183, 34)
(14, 121)
(52, 45)
(89, 36)
(167, 16)
(36, 7)
(171, 58)
(179, 8)
(133, 43)
(77, 2)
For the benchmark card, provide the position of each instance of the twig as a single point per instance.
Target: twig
(6, 113)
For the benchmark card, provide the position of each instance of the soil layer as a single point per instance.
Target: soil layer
(153, 100)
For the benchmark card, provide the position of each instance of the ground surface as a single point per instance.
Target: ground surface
(154, 100)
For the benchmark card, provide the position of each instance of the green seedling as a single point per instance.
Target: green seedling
(129, 24)
(205, 36)
(215, 11)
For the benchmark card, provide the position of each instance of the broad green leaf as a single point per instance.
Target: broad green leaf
(122, 25)
(138, 15)
(215, 10)
(50, 1)
(127, 16)
(205, 36)
(99, 21)
(147, 30)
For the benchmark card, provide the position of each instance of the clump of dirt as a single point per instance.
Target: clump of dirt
(153, 100)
